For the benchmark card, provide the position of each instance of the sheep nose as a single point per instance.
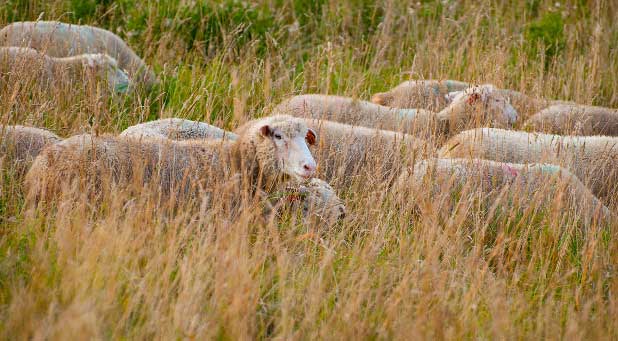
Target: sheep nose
(309, 168)
(341, 213)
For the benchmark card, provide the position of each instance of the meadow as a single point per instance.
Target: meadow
(132, 268)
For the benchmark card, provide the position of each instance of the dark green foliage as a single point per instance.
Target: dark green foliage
(532, 6)
(546, 35)
(88, 10)
(205, 24)
(308, 13)
(431, 9)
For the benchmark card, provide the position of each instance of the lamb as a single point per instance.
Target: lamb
(593, 159)
(476, 106)
(424, 94)
(317, 200)
(504, 185)
(575, 119)
(18, 64)
(19, 145)
(58, 39)
(178, 129)
(267, 152)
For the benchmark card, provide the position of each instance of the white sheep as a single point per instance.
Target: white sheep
(177, 129)
(434, 95)
(342, 150)
(19, 64)
(351, 111)
(19, 145)
(316, 200)
(503, 185)
(268, 151)
(424, 94)
(526, 105)
(575, 119)
(473, 107)
(593, 159)
(316, 197)
(58, 39)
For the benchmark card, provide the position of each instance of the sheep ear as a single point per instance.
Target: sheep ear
(310, 137)
(381, 98)
(266, 131)
(475, 96)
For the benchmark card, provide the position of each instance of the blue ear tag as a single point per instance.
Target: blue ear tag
(436, 89)
(548, 168)
(121, 87)
(449, 85)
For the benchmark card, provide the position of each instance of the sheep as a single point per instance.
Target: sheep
(593, 159)
(476, 106)
(58, 39)
(424, 94)
(267, 152)
(344, 151)
(177, 129)
(341, 150)
(318, 197)
(19, 145)
(351, 111)
(435, 95)
(20, 63)
(575, 119)
(503, 185)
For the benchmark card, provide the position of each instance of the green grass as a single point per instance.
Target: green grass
(132, 270)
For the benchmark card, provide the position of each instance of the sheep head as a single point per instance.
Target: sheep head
(478, 106)
(107, 68)
(278, 146)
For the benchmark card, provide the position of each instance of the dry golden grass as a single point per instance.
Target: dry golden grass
(457, 267)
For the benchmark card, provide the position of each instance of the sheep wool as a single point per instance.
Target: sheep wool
(316, 198)
(58, 39)
(344, 151)
(424, 94)
(355, 112)
(177, 129)
(174, 167)
(593, 159)
(506, 184)
(19, 145)
(575, 119)
(32, 68)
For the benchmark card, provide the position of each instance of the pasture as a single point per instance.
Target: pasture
(432, 263)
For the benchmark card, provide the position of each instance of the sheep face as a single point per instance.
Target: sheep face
(482, 103)
(290, 147)
(107, 68)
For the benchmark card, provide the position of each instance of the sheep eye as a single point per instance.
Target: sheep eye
(278, 136)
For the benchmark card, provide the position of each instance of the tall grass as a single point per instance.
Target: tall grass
(132, 269)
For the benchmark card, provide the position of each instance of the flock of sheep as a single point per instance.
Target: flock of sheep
(420, 134)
